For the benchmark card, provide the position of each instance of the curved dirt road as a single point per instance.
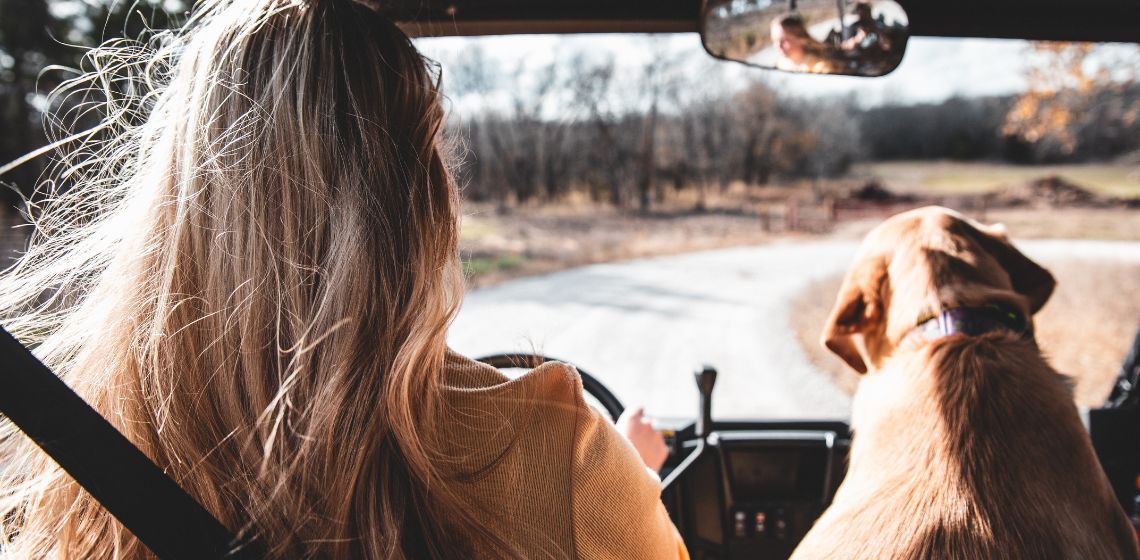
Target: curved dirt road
(643, 326)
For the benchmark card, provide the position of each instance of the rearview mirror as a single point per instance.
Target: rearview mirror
(851, 37)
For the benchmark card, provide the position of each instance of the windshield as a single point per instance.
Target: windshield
(639, 209)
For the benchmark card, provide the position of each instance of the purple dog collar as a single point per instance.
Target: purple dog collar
(970, 321)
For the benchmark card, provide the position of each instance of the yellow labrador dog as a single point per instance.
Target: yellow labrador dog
(967, 444)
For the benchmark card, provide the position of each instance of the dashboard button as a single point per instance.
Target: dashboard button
(738, 524)
(780, 525)
(761, 524)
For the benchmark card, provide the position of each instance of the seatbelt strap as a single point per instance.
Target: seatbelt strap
(105, 463)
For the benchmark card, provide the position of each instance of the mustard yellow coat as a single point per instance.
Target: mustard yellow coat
(553, 476)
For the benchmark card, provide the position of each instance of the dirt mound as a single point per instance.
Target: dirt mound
(874, 191)
(1052, 191)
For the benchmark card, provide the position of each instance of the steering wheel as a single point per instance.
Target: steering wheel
(592, 386)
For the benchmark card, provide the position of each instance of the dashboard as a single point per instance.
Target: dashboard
(752, 489)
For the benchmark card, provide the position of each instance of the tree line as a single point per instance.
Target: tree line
(670, 139)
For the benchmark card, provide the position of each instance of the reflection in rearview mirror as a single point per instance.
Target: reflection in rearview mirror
(857, 38)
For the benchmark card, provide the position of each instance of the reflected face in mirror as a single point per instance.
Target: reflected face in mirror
(798, 51)
(788, 34)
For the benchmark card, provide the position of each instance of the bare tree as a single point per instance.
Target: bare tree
(590, 83)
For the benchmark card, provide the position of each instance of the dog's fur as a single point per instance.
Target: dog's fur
(964, 447)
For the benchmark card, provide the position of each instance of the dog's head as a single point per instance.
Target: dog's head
(921, 262)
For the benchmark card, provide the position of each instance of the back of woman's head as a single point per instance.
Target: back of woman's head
(794, 25)
(249, 267)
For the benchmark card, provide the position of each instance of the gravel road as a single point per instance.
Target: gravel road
(642, 327)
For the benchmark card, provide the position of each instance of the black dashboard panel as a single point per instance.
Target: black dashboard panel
(755, 488)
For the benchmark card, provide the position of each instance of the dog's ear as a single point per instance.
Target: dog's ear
(1027, 277)
(858, 309)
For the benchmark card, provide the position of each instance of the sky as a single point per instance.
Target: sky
(932, 70)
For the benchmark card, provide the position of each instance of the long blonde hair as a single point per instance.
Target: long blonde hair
(249, 267)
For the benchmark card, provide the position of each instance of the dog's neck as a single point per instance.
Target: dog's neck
(969, 321)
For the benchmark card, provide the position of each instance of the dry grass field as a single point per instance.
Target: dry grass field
(1112, 179)
(525, 241)
(500, 244)
(506, 242)
(1085, 329)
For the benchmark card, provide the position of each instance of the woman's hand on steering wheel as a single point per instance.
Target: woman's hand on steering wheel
(648, 442)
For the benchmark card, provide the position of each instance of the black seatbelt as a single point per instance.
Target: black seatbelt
(127, 483)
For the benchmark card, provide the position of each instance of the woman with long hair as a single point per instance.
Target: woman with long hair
(249, 266)
(798, 51)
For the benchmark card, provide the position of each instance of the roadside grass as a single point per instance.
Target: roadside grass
(953, 177)
(1085, 329)
(481, 265)
(474, 227)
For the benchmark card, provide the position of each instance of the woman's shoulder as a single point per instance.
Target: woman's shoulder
(542, 407)
(551, 383)
(546, 456)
